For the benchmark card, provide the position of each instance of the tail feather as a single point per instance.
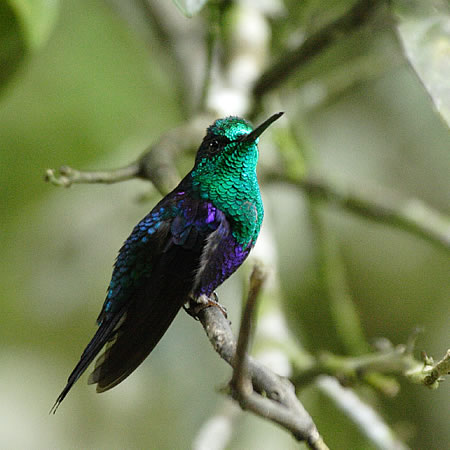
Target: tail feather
(103, 334)
(136, 338)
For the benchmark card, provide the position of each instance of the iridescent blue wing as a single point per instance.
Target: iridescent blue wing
(152, 278)
(157, 297)
(136, 259)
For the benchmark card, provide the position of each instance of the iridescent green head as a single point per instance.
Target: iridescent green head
(228, 151)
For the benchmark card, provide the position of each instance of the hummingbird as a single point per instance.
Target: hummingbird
(180, 252)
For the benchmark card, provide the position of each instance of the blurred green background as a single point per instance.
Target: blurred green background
(94, 96)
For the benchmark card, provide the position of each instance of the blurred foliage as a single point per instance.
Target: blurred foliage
(93, 94)
(25, 26)
(424, 30)
(189, 7)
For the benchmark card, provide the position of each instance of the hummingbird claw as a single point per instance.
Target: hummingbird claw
(195, 306)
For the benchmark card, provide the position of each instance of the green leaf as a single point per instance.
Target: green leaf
(190, 7)
(424, 30)
(25, 26)
(36, 18)
(12, 46)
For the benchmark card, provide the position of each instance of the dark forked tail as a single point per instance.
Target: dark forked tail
(103, 334)
(129, 337)
(137, 336)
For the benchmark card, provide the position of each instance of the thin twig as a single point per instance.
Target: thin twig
(156, 164)
(66, 176)
(257, 279)
(390, 360)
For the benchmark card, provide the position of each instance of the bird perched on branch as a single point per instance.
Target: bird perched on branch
(190, 242)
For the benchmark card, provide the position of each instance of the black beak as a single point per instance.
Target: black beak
(261, 128)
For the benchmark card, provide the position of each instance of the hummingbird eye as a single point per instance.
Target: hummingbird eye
(214, 146)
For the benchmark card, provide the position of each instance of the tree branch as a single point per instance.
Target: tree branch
(316, 43)
(362, 414)
(408, 214)
(251, 379)
(156, 164)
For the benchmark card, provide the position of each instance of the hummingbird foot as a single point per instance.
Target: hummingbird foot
(195, 305)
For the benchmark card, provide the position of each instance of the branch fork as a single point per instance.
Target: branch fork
(254, 386)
